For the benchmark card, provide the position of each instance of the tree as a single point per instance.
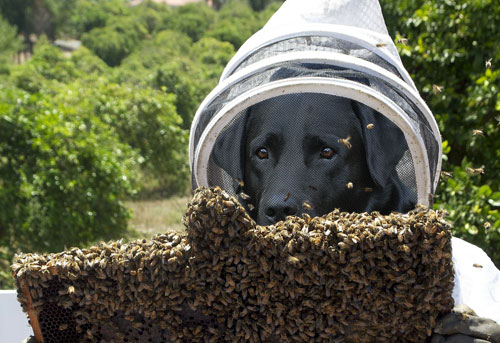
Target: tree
(9, 44)
(192, 19)
(115, 41)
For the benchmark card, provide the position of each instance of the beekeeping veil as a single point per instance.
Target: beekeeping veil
(334, 47)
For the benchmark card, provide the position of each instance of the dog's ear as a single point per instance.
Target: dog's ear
(384, 143)
(228, 152)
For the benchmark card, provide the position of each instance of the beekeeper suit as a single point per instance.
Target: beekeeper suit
(341, 48)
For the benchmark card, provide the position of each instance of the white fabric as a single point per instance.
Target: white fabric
(477, 280)
(365, 14)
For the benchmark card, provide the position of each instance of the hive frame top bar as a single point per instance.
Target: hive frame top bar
(326, 58)
(343, 88)
(379, 44)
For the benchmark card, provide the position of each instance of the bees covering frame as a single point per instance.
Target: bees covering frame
(341, 277)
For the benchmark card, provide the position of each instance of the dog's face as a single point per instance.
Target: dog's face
(305, 154)
(312, 153)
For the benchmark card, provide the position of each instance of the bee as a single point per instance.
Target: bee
(488, 63)
(251, 207)
(287, 196)
(370, 126)
(244, 196)
(349, 185)
(71, 289)
(313, 188)
(474, 171)
(446, 174)
(367, 189)
(437, 89)
(380, 45)
(475, 265)
(477, 133)
(241, 183)
(346, 142)
(63, 327)
(402, 40)
(487, 226)
(306, 206)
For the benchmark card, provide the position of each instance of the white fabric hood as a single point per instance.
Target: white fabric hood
(336, 47)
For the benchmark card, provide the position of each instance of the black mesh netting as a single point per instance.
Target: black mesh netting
(370, 169)
(316, 43)
(417, 119)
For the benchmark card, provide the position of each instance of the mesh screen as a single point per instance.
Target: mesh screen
(317, 43)
(290, 70)
(320, 152)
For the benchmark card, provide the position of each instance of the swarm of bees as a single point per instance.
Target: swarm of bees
(343, 277)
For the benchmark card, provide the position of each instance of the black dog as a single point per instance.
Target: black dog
(312, 153)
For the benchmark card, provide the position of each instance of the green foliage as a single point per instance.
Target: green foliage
(87, 16)
(449, 45)
(473, 208)
(192, 19)
(141, 65)
(9, 44)
(236, 22)
(175, 77)
(115, 41)
(15, 11)
(147, 121)
(62, 175)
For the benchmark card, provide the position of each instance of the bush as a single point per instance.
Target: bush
(235, 24)
(175, 78)
(147, 121)
(140, 67)
(115, 41)
(9, 44)
(62, 175)
(192, 19)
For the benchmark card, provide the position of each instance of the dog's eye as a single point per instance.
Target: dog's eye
(327, 152)
(262, 153)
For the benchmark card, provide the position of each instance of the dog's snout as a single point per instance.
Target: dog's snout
(278, 207)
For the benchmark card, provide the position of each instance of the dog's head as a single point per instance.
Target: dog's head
(312, 153)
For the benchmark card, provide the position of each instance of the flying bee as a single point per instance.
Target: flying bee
(349, 185)
(477, 133)
(474, 171)
(475, 265)
(402, 40)
(244, 196)
(437, 89)
(381, 45)
(367, 189)
(487, 226)
(370, 126)
(287, 196)
(306, 206)
(445, 174)
(488, 63)
(241, 183)
(251, 207)
(346, 142)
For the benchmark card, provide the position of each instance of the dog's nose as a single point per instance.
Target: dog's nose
(278, 207)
